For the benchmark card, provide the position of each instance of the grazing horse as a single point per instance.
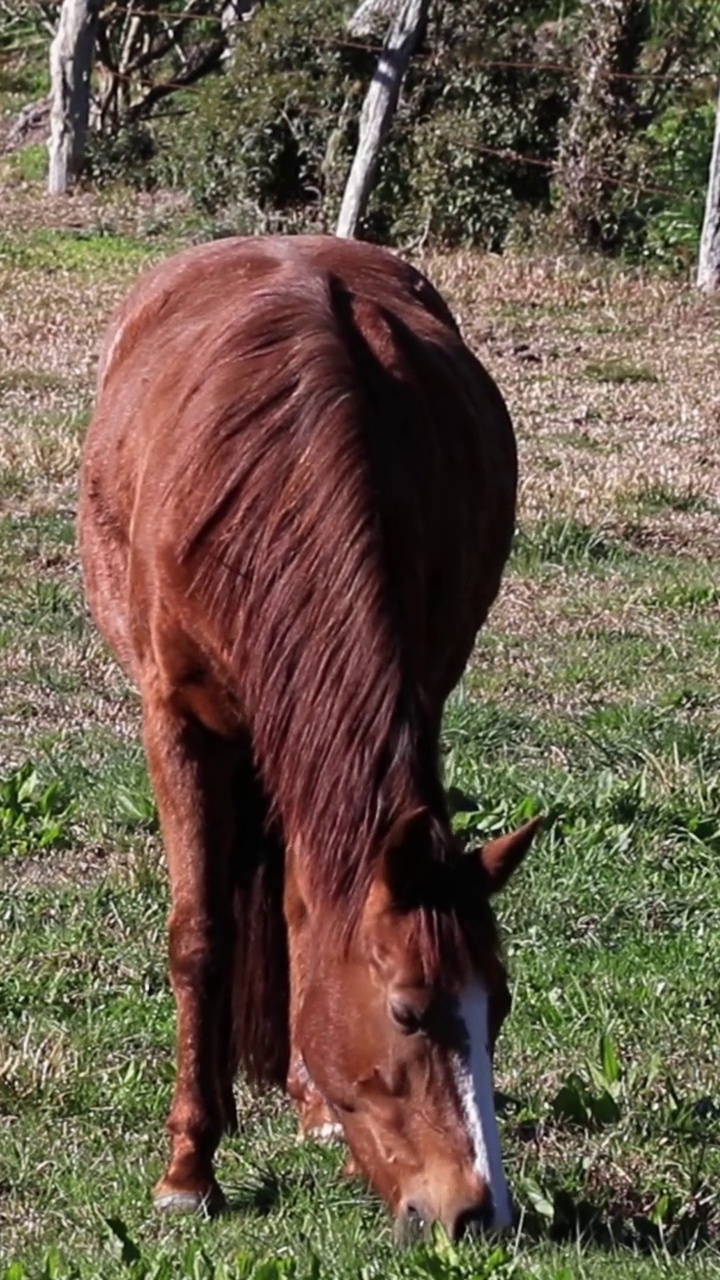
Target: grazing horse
(297, 499)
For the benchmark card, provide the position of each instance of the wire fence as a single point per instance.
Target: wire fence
(182, 84)
(507, 153)
(497, 64)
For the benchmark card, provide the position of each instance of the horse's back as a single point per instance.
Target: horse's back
(279, 418)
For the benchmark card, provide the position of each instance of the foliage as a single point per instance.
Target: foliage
(145, 52)
(21, 23)
(269, 143)
(592, 165)
(640, 128)
(678, 146)
(510, 110)
(442, 1261)
(126, 153)
(453, 170)
(136, 807)
(263, 145)
(33, 814)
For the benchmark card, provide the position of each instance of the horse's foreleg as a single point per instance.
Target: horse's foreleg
(317, 1121)
(192, 775)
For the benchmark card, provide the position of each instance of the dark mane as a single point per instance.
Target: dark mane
(312, 549)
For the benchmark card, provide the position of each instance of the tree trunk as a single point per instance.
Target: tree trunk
(708, 276)
(378, 110)
(71, 55)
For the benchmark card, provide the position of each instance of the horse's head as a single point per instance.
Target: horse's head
(398, 1030)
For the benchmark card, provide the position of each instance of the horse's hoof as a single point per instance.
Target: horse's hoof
(208, 1203)
(326, 1134)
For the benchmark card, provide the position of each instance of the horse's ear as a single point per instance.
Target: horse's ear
(404, 858)
(398, 886)
(501, 857)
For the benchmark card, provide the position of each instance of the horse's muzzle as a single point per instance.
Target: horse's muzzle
(415, 1219)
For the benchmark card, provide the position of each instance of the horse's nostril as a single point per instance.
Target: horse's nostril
(473, 1221)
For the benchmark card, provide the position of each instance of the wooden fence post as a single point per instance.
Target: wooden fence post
(378, 109)
(71, 54)
(708, 275)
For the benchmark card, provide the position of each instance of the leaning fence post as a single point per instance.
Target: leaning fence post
(708, 276)
(71, 54)
(378, 109)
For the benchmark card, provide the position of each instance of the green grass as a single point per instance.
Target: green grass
(593, 699)
(581, 440)
(613, 933)
(658, 498)
(563, 541)
(83, 252)
(618, 371)
(24, 70)
(28, 165)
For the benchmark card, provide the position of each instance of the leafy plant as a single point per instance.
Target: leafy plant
(271, 138)
(198, 1264)
(137, 808)
(678, 146)
(33, 814)
(593, 1100)
(442, 1260)
(269, 141)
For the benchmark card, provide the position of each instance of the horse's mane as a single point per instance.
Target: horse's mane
(311, 545)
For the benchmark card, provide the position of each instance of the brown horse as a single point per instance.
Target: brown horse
(298, 495)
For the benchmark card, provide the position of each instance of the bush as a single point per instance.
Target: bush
(267, 145)
(678, 145)
(267, 140)
(451, 171)
(127, 154)
(640, 127)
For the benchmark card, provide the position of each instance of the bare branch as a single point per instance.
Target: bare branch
(201, 61)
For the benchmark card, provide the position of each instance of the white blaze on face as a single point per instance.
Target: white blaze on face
(475, 1086)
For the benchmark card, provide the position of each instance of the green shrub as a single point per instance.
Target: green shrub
(679, 145)
(266, 140)
(267, 144)
(128, 155)
(463, 127)
(633, 163)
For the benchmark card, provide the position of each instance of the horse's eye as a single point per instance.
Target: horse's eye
(407, 1017)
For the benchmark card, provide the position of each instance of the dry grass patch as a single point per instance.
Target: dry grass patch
(590, 443)
(613, 379)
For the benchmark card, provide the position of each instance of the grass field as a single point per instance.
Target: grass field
(593, 697)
